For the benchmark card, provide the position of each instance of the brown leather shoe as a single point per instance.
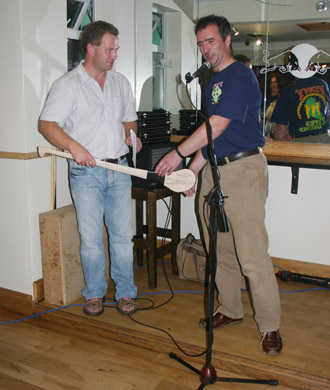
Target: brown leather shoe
(272, 343)
(219, 321)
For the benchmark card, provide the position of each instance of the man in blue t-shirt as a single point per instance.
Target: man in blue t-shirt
(302, 112)
(233, 104)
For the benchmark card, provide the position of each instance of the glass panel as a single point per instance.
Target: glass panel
(75, 54)
(275, 60)
(158, 81)
(88, 17)
(157, 29)
(299, 68)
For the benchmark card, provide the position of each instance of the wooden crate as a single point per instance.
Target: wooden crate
(61, 263)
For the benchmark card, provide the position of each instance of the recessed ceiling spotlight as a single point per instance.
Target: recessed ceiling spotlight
(322, 5)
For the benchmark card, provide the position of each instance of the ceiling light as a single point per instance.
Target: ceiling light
(235, 31)
(259, 41)
(322, 5)
(257, 38)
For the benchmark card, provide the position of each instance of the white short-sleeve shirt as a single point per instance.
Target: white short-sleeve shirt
(89, 115)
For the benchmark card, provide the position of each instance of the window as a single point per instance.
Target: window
(79, 14)
(158, 60)
(168, 93)
(157, 29)
(158, 81)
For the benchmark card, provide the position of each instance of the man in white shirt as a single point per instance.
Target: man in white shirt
(89, 112)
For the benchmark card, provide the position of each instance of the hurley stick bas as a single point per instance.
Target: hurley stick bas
(179, 181)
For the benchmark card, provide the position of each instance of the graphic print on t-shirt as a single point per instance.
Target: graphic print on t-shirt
(312, 108)
(216, 92)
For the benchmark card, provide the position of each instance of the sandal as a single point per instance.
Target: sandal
(129, 304)
(92, 304)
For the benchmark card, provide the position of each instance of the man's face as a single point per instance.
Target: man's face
(273, 85)
(105, 54)
(212, 46)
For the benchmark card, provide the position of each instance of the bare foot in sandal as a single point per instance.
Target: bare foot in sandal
(127, 306)
(94, 307)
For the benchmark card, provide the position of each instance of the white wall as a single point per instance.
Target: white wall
(298, 225)
(122, 15)
(34, 55)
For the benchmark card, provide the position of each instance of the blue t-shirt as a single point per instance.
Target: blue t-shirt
(304, 107)
(234, 93)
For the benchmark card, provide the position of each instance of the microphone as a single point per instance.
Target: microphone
(198, 72)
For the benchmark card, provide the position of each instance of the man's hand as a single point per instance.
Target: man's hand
(81, 156)
(129, 142)
(191, 191)
(168, 163)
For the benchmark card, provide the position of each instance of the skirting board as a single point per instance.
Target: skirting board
(302, 267)
(17, 302)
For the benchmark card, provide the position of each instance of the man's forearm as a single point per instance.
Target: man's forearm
(281, 133)
(199, 138)
(198, 162)
(55, 135)
(130, 126)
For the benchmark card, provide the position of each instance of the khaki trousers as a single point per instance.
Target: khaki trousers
(244, 249)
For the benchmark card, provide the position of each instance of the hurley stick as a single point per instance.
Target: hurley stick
(178, 181)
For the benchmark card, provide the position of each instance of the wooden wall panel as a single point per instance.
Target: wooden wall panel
(62, 271)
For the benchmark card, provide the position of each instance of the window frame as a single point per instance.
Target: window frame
(74, 33)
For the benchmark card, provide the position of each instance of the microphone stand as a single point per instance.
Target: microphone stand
(207, 374)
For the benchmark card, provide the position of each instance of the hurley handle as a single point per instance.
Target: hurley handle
(179, 181)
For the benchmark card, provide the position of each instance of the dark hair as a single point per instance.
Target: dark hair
(93, 33)
(220, 21)
(242, 58)
(279, 82)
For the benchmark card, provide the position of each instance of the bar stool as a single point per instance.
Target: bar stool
(146, 234)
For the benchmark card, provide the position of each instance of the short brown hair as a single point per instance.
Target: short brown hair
(93, 33)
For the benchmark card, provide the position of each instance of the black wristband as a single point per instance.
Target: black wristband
(178, 152)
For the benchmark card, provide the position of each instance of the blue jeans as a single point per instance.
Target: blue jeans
(104, 196)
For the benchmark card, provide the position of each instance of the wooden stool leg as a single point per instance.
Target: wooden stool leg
(139, 230)
(151, 231)
(152, 240)
(176, 234)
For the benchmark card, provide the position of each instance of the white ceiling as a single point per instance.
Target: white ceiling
(284, 16)
(280, 31)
